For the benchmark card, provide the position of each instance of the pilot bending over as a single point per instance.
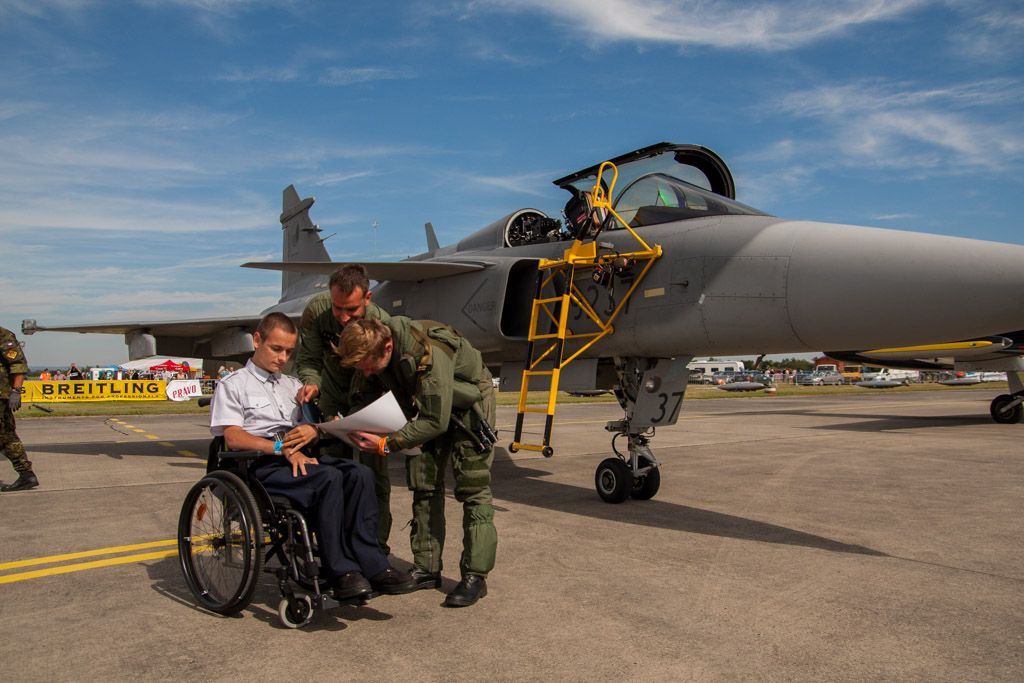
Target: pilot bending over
(257, 403)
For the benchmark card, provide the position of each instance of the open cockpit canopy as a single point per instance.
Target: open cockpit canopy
(665, 182)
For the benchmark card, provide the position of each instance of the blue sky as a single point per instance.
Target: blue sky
(145, 144)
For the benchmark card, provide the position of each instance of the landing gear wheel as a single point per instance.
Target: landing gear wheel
(613, 480)
(1013, 416)
(295, 612)
(646, 486)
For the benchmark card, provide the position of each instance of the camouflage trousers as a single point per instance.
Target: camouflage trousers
(10, 444)
(472, 472)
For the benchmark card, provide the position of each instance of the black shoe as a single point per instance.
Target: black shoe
(424, 579)
(470, 589)
(25, 480)
(351, 585)
(390, 581)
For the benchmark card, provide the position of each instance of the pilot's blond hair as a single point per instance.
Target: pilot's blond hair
(362, 339)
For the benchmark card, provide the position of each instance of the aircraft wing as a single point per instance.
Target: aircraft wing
(199, 327)
(400, 271)
(939, 355)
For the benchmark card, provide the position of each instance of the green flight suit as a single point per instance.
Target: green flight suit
(432, 369)
(319, 365)
(12, 362)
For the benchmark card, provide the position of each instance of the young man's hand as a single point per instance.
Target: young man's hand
(300, 437)
(298, 461)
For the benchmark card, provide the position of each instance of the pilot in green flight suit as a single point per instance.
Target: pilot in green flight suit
(446, 393)
(324, 378)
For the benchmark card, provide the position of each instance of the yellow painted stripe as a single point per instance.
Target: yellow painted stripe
(188, 454)
(135, 429)
(82, 566)
(955, 346)
(167, 443)
(86, 553)
(154, 438)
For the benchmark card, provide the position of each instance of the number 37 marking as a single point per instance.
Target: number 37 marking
(678, 396)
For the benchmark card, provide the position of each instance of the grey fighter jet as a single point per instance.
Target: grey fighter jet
(727, 279)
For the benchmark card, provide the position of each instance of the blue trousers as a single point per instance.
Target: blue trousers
(338, 497)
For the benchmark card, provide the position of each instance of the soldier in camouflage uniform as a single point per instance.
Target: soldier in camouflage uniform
(446, 393)
(13, 368)
(325, 380)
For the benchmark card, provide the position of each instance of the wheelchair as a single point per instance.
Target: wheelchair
(230, 529)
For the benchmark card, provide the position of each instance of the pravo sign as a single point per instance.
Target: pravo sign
(88, 390)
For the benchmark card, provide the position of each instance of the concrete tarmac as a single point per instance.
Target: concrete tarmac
(868, 537)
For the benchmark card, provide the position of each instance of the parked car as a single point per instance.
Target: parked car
(820, 378)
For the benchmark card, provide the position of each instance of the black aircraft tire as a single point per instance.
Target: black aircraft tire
(613, 480)
(646, 487)
(996, 409)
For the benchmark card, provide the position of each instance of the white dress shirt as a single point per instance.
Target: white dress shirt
(258, 401)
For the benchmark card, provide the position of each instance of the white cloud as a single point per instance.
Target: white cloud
(350, 75)
(111, 213)
(339, 178)
(946, 130)
(994, 35)
(271, 74)
(42, 8)
(534, 184)
(731, 24)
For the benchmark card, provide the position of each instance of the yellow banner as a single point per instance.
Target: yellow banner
(88, 390)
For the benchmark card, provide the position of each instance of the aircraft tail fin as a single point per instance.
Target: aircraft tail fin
(432, 244)
(301, 242)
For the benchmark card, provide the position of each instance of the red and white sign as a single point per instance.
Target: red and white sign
(183, 389)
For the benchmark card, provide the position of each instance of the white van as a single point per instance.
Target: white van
(710, 367)
(893, 375)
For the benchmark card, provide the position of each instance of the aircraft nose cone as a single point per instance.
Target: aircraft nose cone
(851, 287)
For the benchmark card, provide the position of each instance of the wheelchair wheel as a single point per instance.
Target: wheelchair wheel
(220, 542)
(295, 612)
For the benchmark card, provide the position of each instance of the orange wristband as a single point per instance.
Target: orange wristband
(382, 446)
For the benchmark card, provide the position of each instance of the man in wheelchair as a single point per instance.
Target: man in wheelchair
(255, 409)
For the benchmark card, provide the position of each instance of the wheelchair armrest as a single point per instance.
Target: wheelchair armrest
(239, 455)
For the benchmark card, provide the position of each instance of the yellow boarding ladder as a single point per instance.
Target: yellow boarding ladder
(552, 344)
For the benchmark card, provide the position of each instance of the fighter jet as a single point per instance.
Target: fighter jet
(656, 263)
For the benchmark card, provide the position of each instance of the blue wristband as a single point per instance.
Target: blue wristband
(277, 446)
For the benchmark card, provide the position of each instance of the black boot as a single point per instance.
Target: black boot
(470, 589)
(392, 582)
(25, 480)
(351, 585)
(425, 579)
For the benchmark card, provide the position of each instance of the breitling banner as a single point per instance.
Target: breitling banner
(101, 390)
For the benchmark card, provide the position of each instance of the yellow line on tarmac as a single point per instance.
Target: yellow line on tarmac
(188, 454)
(82, 566)
(86, 553)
